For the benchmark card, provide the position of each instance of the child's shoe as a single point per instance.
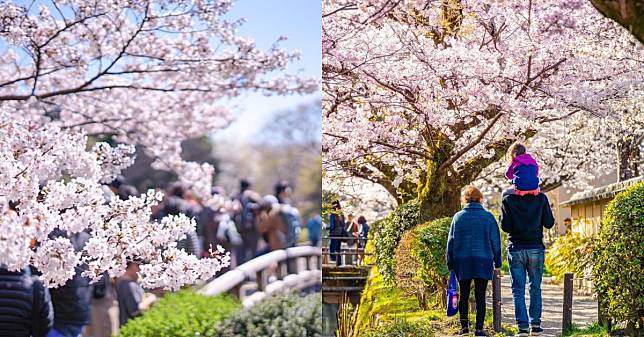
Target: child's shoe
(523, 333)
(479, 333)
(537, 331)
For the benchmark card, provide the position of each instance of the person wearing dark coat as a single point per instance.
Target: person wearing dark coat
(336, 229)
(175, 205)
(524, 218)
(473, 252)
(25, 305)
(72, 301)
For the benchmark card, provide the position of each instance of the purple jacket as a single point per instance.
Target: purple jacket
(522, 159)
(524, 173)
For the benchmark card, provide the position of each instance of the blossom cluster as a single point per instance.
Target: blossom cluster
(147, 74)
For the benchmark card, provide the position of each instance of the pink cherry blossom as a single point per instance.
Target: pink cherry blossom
(411, 84)
(149, 74)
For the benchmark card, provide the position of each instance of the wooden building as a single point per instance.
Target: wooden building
(587, 208)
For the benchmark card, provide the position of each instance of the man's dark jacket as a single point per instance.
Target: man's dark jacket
(25, 305)
(73, 299)
(523, 218)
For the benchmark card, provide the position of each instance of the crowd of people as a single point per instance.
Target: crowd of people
(246, 225)
(347, 234)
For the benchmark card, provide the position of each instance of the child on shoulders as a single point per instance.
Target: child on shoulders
(523, 172)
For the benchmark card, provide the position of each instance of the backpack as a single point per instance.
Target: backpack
(291, 217)
(227, 232)
(245, 218)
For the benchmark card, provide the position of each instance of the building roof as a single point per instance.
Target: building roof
(601, 193)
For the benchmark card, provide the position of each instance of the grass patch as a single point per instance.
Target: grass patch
(593, 330)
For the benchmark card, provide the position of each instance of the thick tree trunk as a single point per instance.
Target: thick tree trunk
(628, 13)
(629, 157)
(439, 195)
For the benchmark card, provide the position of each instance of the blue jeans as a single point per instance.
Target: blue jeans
(66, 331)
(530, 262)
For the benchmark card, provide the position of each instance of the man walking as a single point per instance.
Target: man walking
(523, 218)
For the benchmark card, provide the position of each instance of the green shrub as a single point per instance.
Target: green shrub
(430, 252)
(423, 273)
(570, 254)
(180, 314)
(400, 328)
(284, 315)
(619, 258)
(408, 265)
(386, 234)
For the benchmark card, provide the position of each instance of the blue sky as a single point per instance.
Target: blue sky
(301, 22)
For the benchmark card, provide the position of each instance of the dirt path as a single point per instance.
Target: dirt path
(584, 307)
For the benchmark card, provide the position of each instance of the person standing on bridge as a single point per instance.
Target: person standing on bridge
(245, 208)
(363, 234)
(523, 218)
(271, 225)
(473, 253)
(337, 230)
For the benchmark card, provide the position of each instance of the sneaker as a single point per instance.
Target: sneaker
(464, 332)
(523, 333)
(537, 331)
(479, 333)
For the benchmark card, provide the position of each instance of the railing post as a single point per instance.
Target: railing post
(262, 280)
(308, 262)
(291, 264)
(325, 257)
(236, 291)
(281, 270)
(567, 302)
(496, 300)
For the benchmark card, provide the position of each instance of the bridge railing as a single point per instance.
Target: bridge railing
(287, 262)
(350, 255)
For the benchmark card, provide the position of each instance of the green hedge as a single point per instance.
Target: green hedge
(430, 252)
(570, 254)
(386, 234)
(182, 314)
(619, 258)
(421, 269)
(285, 315)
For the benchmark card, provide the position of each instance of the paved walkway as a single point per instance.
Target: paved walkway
(584, 307)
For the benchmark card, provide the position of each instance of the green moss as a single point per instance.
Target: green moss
(385, 236)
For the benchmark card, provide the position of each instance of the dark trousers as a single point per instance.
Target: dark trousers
(480, 286)
(334, 247)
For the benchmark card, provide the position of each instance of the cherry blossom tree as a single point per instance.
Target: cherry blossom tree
(424, 97)
(628, 13)
(145, 73)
